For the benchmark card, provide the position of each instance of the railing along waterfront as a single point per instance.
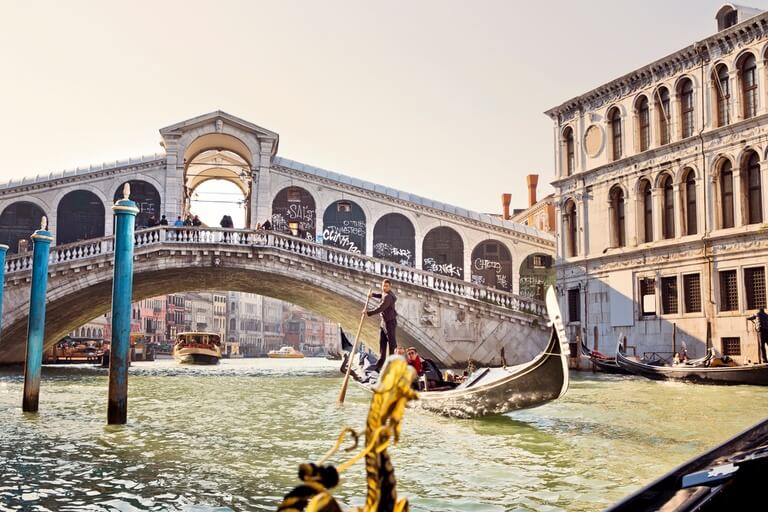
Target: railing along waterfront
(286, 243)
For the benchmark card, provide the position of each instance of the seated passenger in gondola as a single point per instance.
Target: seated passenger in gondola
(414, 360)
(676, 359)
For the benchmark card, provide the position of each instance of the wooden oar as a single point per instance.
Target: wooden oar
(343, 392)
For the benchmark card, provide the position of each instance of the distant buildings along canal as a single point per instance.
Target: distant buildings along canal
(661, 197)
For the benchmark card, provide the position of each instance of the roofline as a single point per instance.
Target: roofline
(672, 61)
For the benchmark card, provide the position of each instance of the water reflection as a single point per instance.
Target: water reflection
(230, 437)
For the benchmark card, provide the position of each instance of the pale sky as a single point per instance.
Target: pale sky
(440, 98)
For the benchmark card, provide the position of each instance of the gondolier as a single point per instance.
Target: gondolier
(388, 331)
(761, 323)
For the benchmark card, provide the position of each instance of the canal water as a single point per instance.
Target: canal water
(231, 437)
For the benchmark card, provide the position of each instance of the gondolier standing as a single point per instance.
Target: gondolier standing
(388, 332)
(761, 324)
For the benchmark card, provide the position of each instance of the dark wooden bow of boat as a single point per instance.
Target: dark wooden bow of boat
(728, 477)
(749, 374)
(604, 364)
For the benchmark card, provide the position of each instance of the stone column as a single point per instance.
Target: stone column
(764, 187)
(613, 231)
(261, 200)
(679, 209)
(122, 294)
(41, 242)
(713, 204)
(739, 215)
(582, 227)
(657, 196)
(3, 251)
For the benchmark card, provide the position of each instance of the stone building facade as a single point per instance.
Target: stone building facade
(661, 198)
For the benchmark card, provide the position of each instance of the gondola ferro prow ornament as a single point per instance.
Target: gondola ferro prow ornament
(382, 427)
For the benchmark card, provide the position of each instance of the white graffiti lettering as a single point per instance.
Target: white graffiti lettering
(300, 212)
(332, 235)
(448, 269)
(483, 264)
(478, 279)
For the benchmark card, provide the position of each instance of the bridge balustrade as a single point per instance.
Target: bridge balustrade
(171, 235)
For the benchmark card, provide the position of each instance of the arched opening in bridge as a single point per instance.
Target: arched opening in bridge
(215, 199)
(293, 212)
(79, 216)
(17, 222)
(443, 252)
(394, 239)
(492, 265)
(147, 200)
(344, 226)
(219, 158)
(536, 275)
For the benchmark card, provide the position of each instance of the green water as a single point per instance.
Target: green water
(230, 437)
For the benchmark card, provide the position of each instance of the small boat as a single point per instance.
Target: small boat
(700, 371)
(197, 348)
(490, 391)
(603, 362)
(728, 477)
(333, 355)
(285, 352)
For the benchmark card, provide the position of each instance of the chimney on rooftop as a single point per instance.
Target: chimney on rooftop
(533, 181)
(506, 200)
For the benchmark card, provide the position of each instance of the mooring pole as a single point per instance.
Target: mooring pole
(3, 251)
(122, 292)
(41, 244)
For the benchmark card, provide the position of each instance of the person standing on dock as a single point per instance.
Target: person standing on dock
(761, 324)
(387, 333)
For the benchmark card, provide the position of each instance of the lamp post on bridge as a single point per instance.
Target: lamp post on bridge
(122, 293)
(41, 243)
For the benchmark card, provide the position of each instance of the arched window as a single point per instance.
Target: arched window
(691, 224)
(664, 114)
(668, 209)
(685, 91)
(394, 239)
(645, 191)
(293, 212)
(617, 217)
(643, 123)
(442, 252)
(492, 265)
(614, 121)
(726, 195)
(344, 226)
(79, 216)
(568, 151)
(18, 221)
(723, 95)
(147, 200)
(570, 229)
(753, 207)
(748, 73)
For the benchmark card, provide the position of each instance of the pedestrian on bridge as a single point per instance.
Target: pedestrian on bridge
(388, 330)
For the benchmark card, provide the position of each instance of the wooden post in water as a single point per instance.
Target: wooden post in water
(41, 244)
(674, 338)
(122, 295)
(3, 251)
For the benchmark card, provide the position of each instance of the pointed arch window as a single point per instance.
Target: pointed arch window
(570, 229)
(748, 72)
(723, 95)
(753, 193)
(568, 147)
(617, 212)
(691, 225)
(726, 195)
(647, 213)
(664, 114)
(668, 208)
(644, 123)
(686, 108)
(614, 121)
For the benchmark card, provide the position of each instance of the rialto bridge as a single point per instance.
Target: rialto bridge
(468, 281)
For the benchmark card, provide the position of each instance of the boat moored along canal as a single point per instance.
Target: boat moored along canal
(197, 348)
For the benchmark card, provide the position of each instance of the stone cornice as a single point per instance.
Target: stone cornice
(708, 49)
(548, 244)
(80, 175)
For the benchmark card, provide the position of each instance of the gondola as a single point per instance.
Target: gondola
(728, 477)
(604, 363)
(698, 372)
(491, 391)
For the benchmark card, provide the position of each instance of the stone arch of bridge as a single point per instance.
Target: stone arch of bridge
(73, 303)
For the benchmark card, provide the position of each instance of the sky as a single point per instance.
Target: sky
(443, 99)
